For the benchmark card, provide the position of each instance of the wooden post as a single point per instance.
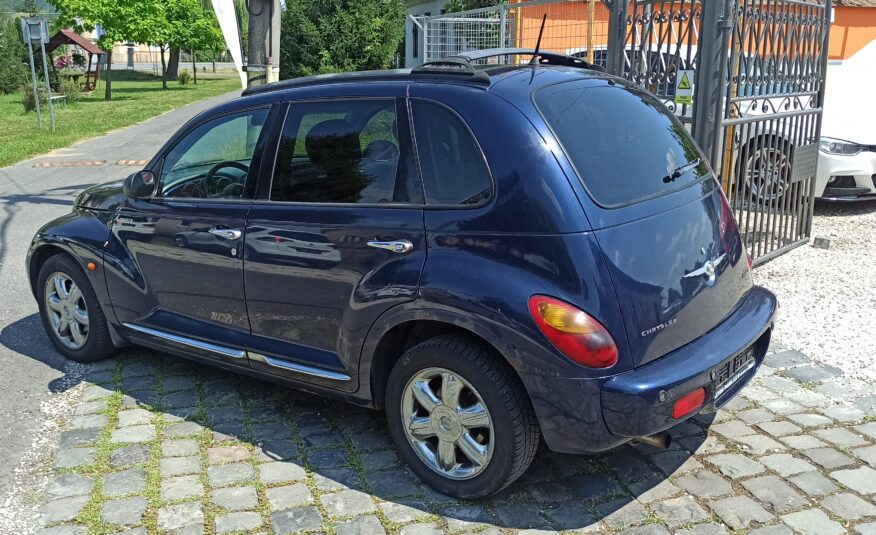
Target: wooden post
(591, 10)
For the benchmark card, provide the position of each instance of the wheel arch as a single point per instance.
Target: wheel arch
(405, 326)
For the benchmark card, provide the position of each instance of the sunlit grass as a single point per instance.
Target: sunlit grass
(137, 96)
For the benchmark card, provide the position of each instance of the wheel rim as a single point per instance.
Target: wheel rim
(767, 172)
(66, 309)
(447, 423)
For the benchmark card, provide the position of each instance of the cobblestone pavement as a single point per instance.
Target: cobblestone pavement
(158, 445)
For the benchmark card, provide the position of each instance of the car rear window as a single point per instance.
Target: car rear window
(624, 144)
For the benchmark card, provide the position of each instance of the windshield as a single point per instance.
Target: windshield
(624, 144)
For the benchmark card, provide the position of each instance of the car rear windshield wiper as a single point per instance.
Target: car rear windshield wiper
(680, 171)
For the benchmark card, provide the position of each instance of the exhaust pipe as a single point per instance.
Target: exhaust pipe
(660, 440)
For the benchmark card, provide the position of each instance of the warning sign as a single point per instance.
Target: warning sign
(684, 87)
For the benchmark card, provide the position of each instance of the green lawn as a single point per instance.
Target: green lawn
(136, 96)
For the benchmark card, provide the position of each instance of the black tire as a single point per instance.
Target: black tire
(515, 432)
(98, 343)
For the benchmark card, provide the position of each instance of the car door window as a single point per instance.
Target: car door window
(345, 152)
(213, 160)
(453, 167)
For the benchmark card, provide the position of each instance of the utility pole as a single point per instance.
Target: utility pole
(263, 48)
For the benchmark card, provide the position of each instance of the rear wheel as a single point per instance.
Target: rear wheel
(460, 417)
(70, 312)
(767, 171)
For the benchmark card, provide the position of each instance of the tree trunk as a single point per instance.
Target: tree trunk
(173, 64)
(108, 92)
(214, 64)
(194, 68)
(163, 69)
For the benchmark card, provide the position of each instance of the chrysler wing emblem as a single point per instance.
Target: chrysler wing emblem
(708, 269)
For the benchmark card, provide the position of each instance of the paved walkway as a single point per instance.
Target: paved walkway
(33, 373)
(166, 446)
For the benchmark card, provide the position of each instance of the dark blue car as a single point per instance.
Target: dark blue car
(494, 256)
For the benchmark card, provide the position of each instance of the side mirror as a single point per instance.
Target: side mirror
(140, 185)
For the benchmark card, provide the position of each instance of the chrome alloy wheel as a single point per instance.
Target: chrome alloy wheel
(447, 423)
(65, 306)
(767, 174)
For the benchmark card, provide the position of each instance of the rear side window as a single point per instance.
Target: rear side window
(347, 151)
(451, 164)
(624, 145)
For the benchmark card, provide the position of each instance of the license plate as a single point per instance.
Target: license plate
(731, 371)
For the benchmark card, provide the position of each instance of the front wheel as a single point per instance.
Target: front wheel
(70, 311)
(460, 417)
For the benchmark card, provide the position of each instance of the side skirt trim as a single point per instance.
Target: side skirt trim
(189, 342)
(299, 368)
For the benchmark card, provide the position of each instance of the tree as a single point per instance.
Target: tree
(454, 6)
(321, 36)
(13, 72)
(119, 20)
(186, 25)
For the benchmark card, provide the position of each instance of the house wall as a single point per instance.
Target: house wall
(415, 39)
(853, 28)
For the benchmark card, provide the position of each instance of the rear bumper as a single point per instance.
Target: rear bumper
(591, 415)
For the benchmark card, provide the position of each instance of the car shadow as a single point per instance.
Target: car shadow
(27, 337)
(844, 209)
(345, 447)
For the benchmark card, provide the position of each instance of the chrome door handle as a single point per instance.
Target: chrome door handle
(226, 233)
(398, 246)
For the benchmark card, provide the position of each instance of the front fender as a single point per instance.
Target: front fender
(81, 234)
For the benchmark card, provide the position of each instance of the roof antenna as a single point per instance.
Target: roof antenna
(534, 60)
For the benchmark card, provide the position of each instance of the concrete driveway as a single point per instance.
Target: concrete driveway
(29, 197)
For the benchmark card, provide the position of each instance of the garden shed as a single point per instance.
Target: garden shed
(69, 37)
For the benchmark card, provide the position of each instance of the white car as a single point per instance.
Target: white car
(847, 159)
(846, 170)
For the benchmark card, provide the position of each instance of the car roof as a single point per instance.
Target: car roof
(492, 79)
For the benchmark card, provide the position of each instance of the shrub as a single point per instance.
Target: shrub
(28, 101)
(183, 77)
(70, 88)
(13, 72)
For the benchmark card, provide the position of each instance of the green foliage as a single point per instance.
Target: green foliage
(71, 89)
(13, 71)
(28, 101)
(322, 36)
(184, 77)
(454, 6)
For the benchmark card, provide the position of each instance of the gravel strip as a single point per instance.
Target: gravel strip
(19, 512)
(828, 297)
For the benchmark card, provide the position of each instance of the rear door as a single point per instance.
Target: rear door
(674, 254)
(337, 239)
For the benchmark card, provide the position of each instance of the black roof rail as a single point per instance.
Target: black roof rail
(452, 66)
(543, 58)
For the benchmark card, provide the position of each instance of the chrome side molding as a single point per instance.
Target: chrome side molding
(299, 368)
(189, 342)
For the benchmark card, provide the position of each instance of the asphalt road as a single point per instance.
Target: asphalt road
(30, 369)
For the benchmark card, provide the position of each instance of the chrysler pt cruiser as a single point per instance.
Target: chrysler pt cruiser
(495, 257)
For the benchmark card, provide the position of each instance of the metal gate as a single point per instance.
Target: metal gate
(758, 88)
(756, 110)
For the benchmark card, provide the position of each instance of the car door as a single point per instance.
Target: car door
(183, 283)
(337, 239)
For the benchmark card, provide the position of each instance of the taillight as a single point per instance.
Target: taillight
(689, 402)
(575, 333)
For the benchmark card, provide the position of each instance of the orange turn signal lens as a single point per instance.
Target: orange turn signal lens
(91, 266)
(574, 332)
